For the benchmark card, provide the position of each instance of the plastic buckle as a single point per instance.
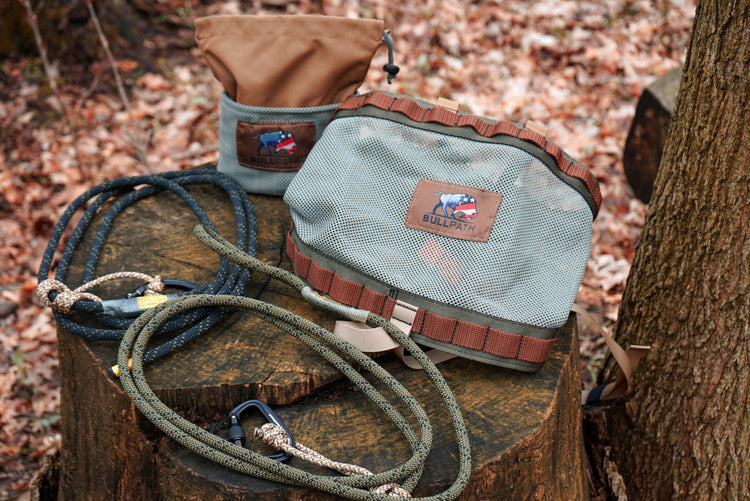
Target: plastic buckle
(237, 433)
(181, 284)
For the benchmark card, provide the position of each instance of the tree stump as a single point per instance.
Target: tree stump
(525, 428)
(648, 133)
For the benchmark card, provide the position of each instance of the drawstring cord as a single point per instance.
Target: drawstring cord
(390, 67)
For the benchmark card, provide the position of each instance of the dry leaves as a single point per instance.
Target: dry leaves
(576, 67)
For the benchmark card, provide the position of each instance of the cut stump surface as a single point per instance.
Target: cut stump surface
(525, 428)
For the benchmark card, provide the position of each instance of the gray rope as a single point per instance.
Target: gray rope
(322, 341)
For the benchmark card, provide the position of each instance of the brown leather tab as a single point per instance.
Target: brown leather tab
(453, 210)
(279, 147)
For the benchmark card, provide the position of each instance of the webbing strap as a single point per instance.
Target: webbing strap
(481, 338)
(627, 361)
(376, 340)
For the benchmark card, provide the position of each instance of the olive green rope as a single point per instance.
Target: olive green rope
(322, 341)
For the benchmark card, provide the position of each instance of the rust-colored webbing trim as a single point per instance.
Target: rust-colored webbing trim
(342, 290)
(428, 324)
(413, 110)
(480, 338)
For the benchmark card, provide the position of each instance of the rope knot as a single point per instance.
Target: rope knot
(154, 286)
(65, 298)
(393, 490)
(273, 435)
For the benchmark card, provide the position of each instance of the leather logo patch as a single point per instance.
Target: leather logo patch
(453, 210)
(280, 147)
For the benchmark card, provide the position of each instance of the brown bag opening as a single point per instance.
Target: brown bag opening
(288, 61)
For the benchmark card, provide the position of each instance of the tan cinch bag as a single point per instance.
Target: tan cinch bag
(283, 76)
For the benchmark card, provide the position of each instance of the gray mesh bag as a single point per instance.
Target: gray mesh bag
(481, 228)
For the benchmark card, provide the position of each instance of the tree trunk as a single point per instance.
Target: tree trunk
(684, 431)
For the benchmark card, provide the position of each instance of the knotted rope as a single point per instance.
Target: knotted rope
(66, 298)
(110, 199)
(275, 436)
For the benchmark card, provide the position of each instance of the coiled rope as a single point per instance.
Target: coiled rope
(325, 343)
(229, 279)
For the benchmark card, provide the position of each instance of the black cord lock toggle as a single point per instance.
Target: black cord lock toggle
(237, 433)
(390, 67)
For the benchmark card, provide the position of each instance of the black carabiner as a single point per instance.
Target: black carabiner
(237, 434)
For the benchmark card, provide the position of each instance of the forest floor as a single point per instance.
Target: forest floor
(577, 67)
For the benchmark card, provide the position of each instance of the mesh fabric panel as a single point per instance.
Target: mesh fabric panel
(350, 199)
(255, 180)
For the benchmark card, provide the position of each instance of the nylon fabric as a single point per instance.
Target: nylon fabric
(232, 113)
(229, 279)
(528, 271)
(288, 61)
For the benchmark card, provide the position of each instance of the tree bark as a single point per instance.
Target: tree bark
(684, 430)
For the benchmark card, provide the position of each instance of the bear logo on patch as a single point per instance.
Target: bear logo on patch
(281, 141)
(462, 205)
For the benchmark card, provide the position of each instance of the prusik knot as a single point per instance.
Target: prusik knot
(275, 436)
(66, 298)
